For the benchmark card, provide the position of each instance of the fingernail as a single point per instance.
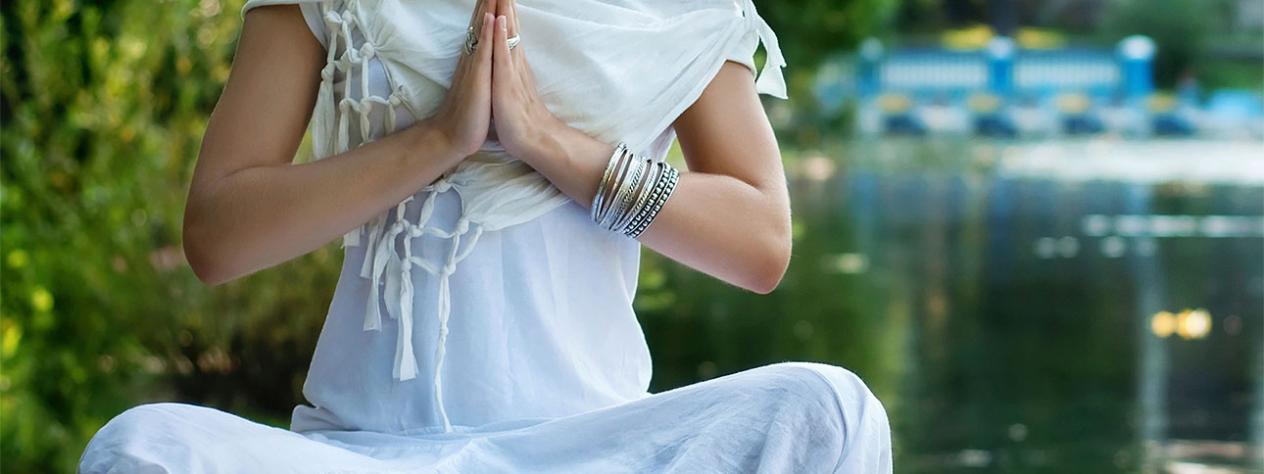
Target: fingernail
(504, 23)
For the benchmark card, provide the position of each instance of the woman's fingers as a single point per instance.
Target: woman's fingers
(481, 7)
(477, 20)
(502, 64)
(474, 63)
(513, 31)
(509, 8)
(505, 7)
(484, 53)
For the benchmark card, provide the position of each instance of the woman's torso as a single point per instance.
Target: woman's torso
(541, 321)
(524, 306)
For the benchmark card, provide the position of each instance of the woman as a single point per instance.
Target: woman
(492, 182)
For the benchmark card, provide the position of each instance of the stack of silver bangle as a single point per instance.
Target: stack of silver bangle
(632, 191)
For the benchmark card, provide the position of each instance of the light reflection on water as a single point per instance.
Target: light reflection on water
(1002, 302)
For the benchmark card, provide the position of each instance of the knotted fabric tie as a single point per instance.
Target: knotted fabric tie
(384, 267)
(770, 78)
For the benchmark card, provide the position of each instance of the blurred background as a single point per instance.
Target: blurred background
(1035, 228)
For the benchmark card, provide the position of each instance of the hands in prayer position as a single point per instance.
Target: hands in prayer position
(494, 83)
(251, 208)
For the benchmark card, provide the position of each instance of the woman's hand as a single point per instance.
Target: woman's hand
(522, 122)
(464, 117)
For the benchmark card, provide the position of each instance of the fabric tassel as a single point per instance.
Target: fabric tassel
(444, 311)
(381, 256)
(352, 238)
(455, 255)
(375, 232)
(392, 286)
(373, 314)
(445, 306)
(325, 114)
(405, 359)
(325, 117)
(343, 142)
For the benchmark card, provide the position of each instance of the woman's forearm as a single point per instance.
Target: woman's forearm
(725, 227)
(260, 216)
(729, 216)
(249, 207)
(736, 231)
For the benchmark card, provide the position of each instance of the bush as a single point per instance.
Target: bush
(103, 109)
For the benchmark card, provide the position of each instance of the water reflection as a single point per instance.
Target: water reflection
(1000, 300)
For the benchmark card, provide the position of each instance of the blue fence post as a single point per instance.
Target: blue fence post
(868, 80)
(1000, 53)
(1136, 61)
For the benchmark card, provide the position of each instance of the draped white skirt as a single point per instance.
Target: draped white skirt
(791, 417)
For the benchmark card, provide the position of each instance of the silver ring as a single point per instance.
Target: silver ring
(513, 41)
(471, 40)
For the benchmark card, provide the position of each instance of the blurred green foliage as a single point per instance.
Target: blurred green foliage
(810, 33)
(104, 104)
(1180, 29)
(1196, 39)
(812, 30)
(103, 108)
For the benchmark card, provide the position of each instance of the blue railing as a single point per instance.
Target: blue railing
(1003, 90)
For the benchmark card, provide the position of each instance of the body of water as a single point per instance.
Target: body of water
(1091, 306)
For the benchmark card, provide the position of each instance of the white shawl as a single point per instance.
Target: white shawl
(619, 70)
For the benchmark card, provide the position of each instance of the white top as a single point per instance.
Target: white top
(536, 321)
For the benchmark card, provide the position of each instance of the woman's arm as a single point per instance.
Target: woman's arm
(250, 208)
(732, 210)
(730, 213)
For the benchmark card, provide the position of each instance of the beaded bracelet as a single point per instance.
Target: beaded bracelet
(672, 178)
(641, 195)
(654, 190)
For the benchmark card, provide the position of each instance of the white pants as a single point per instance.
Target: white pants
(793, 417)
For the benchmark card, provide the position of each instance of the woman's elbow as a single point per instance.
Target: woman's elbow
(205, 273)
(770, 260)
(200, 258)
(768, 274)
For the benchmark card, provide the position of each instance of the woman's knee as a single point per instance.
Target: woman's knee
(841, 388)
(840, 381)
(145, 417)
(863, 426)
(124, 442)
